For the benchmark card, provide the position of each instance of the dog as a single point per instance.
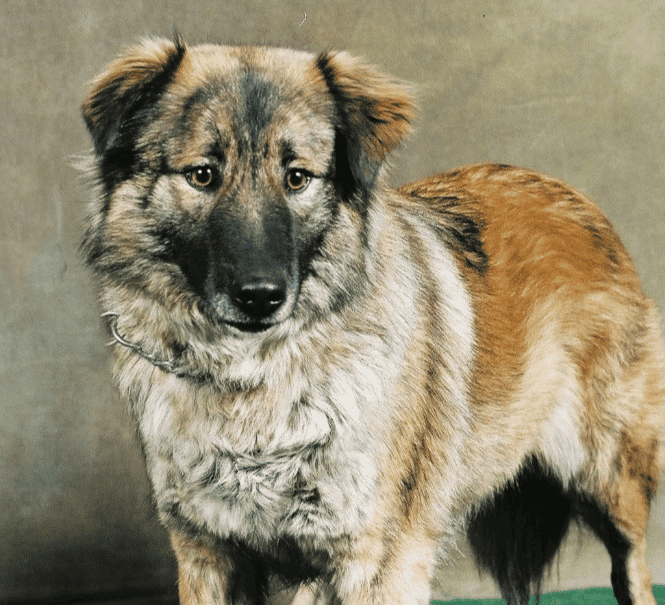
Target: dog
(335, 381)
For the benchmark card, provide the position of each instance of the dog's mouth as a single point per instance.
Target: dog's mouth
(253, 327)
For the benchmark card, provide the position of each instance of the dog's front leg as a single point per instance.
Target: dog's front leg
(394, 568)
(213, 572)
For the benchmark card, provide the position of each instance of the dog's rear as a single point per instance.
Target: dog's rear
(332, 380)
(560, 317)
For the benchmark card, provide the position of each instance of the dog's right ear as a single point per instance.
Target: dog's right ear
(376, 113)
(129, 84)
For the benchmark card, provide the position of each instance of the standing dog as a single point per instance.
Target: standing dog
(332, 379)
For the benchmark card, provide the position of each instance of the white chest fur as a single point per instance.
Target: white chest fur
(296, 461)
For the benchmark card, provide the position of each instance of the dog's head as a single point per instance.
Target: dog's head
(236, 181)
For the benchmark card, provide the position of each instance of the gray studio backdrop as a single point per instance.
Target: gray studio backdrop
(572, 88)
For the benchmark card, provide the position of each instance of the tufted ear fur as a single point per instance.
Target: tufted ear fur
(128, 86)
(376, 113)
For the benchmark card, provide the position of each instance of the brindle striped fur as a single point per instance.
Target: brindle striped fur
(333, 381)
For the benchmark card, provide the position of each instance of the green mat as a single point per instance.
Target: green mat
(591, 596)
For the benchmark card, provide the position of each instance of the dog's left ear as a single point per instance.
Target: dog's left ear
(376, 112)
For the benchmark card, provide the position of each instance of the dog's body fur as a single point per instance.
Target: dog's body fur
(333, 380)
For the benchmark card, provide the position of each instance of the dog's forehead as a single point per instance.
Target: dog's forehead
(252, 77)
(228, 59)
(246, 92)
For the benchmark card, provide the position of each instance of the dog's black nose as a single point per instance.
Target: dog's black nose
(260, 298)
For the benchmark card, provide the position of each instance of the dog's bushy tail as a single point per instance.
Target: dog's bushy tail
(516, 533)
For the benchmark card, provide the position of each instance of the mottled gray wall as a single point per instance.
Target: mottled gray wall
(571, 88)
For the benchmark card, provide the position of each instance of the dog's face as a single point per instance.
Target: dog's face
(234, 182)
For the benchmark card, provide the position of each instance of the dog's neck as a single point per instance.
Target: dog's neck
(163, 364)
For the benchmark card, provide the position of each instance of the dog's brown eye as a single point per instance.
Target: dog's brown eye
(297, 180)
(201, 177)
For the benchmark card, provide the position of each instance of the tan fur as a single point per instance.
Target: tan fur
(440, 353)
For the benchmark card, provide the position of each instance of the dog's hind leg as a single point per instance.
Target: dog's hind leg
(618, 515)
(625, 440)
